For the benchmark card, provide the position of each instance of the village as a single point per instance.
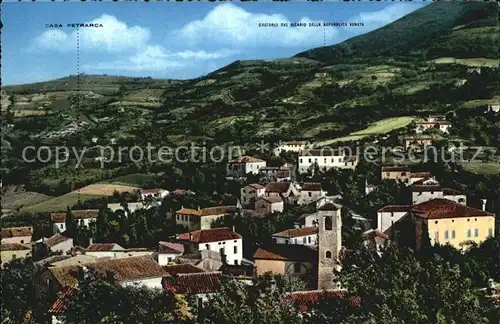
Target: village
(195, 261)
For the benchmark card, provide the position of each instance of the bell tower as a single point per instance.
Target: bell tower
(329, 244)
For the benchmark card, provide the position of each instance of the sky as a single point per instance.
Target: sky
(176, 40)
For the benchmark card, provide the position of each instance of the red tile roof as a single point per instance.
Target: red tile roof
(246, 159)
(194, 283)
(61, 217)
(303, 300)
(151, 191)
(370, 234)
(395, 208)
(444, 208)
(297, 232)
(209, 211)
(61, 304)
(103, 247)
(177, 269)
(312, 186)
(210, 235)
(55, 239)
(278, 187)
(272, 199)
(421, 175)
(168, 247)
(13, 247)
(256, 186)
(287, 252)
(17, 231)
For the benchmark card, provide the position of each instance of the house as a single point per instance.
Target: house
(168, 251)
(182, 192)
(449, 222)
(268, 205)
(203, 218)
(134, 271)
(290, 260)
(493, 107)
(422, 193)
(244, 165)
(82, 217)
(302, 235)
(11, 251)
(326, 159)
(157, 194)
(285, 190)
(222, 240)
(175, 269)
(19, 235)
(58, 243)
(305, 301)
(251, 192)
(398, 173)
(474, 70)
(375, 240)
(307, 220)
(276, 174)
(291, 146)
(432, 122)
(417, 143)
(310, 192)
(389, 215)
(61, 304)
(73, 260)
(455, 195)
(207, 260)
(102, 250)
(419, 176)
(369, 188)
(131, 206)
(198, 286)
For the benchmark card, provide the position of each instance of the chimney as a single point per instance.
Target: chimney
(234, 229)
(296, 225)
(91, 241)
(198, 207)
(484, 201)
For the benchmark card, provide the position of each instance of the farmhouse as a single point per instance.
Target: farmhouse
(303, 235)
(268, 205)
(325, 159)
(203, 218)
(251, 192)
(398, 173)
(20, 235)
(83, 218)
(291, 146)
(310, 192)
(244, 165)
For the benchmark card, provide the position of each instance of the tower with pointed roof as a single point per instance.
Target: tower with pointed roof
(329, 244)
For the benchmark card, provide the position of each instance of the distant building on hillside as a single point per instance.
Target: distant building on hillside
(82, 217)
(244, 165)
(291, 146)
(326, 159)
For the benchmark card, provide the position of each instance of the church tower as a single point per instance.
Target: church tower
(329, 244)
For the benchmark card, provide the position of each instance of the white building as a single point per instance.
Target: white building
(310, 192)
(389, 215)
(82, 217)
(20, 235)
(244, 165)
(202, 218)
(291, 146)
(420, 176)
(422, 193)
(276, 174)
(251, 192)
(456, 196)
(168, 251)
(442, 126)
(303, 235)
(326, 159)
(268, 205)
(222, 240)
(153, 193)
(286, 190)
(375, 240)
(494, 107)
(58, 243)
(131, 206)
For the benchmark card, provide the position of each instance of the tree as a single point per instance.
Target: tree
(70, 222)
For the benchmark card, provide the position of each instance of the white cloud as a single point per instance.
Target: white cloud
(114, 36)
(155, 57)
(231, 25)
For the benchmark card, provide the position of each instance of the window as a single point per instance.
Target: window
(235, 262)
(169, 259)
(436, 236)
(490, 232)
(274, 241)
(328, 223)
(62, 226)
(446, 235)
(22, 241)
(387, 174)
(286, 241)
(309, 239)
(325, 160)
(309, 194)
(297, 267)
(207, 246)
(468, 233)
(476, 232)
(453, 234)
(328, 254)
(300, 160)
(309, 160)
(235, 250)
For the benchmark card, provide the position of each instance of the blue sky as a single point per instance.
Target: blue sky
(170, 40)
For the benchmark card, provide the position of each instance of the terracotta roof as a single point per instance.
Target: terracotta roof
(322, 152)
(425, 188)
(303, 300)
(209, 211)
(283, 173)
(451, 192)
(297, 232)
(279, 187)
(246, 159)
(444, 208)
(61, 217)
(370, 234)
(272, 199)
(61, 303)
(177, 269)
(168, 247)
(210, 235)
(179, 192)
(395, 208)
(312, 186)
(395, 169)
(13, 247)
(256, 186)
(124, 269)
(55, 239)
(287, 252)
(421, 175)
(17, 231)
(102, 247)
(422, 182)
(194, 283)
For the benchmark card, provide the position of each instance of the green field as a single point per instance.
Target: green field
(380, 127)
(469, 61)
(23, 199)
(60, 203)
(134, 180)
(492, 168)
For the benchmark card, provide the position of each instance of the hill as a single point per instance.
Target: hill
(439, 29)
